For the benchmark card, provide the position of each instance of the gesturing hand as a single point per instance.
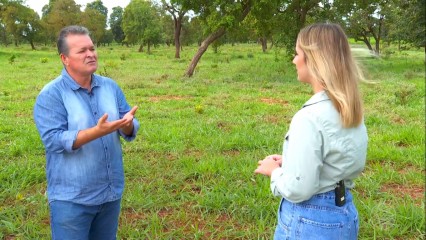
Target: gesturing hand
(128, 124)
(125, 123)
(129, 116)
(105, 127)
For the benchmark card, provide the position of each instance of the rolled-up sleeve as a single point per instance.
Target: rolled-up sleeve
(135, 130)
(124, 108)
(51, 120)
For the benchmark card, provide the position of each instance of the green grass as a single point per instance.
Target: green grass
(189, 173)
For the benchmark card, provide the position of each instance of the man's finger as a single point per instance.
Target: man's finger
(133, 110)
(103, 118)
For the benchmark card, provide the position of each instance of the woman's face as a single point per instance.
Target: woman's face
(300, 62)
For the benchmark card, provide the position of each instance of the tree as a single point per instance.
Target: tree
(406, 22)
(107, 38)
(94, 18)
(167, 24)
(178, 12)
(30, 27)
(291, 17)
(261, 20)
(98, 6)
(47, 8)
(192, 31)
(217, 17)
(21, 22)
(115, 20)
(95, 21)
(141, 24)
(364, 19)
(62, 13)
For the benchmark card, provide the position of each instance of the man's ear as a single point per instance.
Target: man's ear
(64, 59)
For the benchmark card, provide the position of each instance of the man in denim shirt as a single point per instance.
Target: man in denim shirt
(80, 117)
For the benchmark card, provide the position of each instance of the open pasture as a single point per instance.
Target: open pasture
(189, 173)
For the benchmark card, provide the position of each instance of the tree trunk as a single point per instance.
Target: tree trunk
(272, 43)
(140, 48)
(264, 43)
(32, 45)
(379, 34)
(202, 49)
(178, 28)
(377, 46)
(367, 42)
(211, 38)
(149, 48)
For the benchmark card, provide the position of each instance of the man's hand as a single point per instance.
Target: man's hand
(127, 128)
(103, 127)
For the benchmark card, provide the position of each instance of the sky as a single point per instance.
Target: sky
(37, 5)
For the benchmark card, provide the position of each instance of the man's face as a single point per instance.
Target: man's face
(82, 59)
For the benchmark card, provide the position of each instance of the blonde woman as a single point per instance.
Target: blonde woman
(326, 145)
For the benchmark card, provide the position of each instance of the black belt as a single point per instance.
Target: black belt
(339, 194)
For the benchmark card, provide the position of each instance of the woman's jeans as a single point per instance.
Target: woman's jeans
(75, 221)
(317, 218)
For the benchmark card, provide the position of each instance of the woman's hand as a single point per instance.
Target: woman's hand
(277, 158)
(269, 164)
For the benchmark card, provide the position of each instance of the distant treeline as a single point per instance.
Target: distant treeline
(181, 22)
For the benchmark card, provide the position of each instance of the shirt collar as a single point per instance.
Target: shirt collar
(316, 98)
(73, 84)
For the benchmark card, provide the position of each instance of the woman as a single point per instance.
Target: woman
(326, 145)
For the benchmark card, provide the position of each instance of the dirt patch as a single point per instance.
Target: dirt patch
(416, 192)
(231, 152)
(166, 98)
(274, 101)
(224, 126)
(410, 169)
(273, 119)
(398, 120)
(184, 219)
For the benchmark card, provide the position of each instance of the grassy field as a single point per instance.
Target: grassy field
(189, 173)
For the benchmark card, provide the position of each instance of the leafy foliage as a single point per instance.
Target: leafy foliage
(115, 21)
(141, 24)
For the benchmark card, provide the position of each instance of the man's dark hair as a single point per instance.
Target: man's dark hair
(74, 30)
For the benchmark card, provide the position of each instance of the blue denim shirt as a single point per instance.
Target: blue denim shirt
(92, 174)
(318, 152)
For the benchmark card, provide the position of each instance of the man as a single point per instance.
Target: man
(80, 117)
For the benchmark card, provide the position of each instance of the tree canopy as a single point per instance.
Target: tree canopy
(205, 22)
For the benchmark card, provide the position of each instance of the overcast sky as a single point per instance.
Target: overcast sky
(37, 5)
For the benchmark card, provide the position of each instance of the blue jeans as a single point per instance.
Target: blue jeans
(317, 218)
(75, 221)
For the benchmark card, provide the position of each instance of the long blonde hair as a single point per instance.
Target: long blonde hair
(329, 60)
